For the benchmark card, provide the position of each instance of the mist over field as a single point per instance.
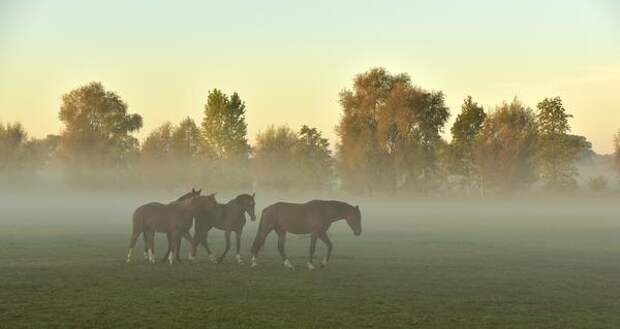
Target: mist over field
(421, 261)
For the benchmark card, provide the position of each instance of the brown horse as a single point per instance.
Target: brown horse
(314, 217)
(229, 217)
(172, 219)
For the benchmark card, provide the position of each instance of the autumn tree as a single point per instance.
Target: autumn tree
(97, 130)
(313, 159)
(13, 150)
(225, 146)
(274, 157)
(557, 152)
(389, 133)
(617, 152)
(157, 147)
(285, 160)
(157, 161)
(22, 158)
(185, 140)
(224, 130)
(43, 150)
(505, 148)
(464, 132)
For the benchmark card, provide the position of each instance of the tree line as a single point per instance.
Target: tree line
(389, 141)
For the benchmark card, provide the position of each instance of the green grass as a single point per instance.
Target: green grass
(431, 265)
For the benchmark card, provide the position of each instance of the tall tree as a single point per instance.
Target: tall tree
(464, 132)
(389, 132)
(505, 149)
(617, 151)
(43, 150)
(285, 160)
(368, 152)
(97, 127)
(557, 151)
(430, 116)
(157, 147)
(13, 139)
(274, 156)
(185, 139)
(313, 159)
(224, 130)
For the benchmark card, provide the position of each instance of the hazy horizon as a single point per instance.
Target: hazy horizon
(289, 61)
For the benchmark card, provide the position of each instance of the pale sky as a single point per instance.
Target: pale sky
(289, 59)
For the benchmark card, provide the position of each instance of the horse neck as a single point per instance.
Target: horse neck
(185, 206)
(338, 211)
(185, 196)
(234, 206)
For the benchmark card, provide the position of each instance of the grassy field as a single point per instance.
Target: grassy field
(418, 265)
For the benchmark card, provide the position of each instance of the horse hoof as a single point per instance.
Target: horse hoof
(213, 259)
(289, 265)
(310, 266)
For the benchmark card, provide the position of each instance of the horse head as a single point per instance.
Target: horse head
(354, 219)
(188, 195)
(248, 204)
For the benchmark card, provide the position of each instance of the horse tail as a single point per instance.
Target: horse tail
(138, 220)
(263, 230)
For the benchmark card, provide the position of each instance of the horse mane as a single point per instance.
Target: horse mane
(186, 196)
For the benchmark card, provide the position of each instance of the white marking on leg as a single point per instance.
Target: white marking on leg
(170, 258)
(190, 256)
(324, 261)
(310, 266)
(239, 260)
(212, 258)
(288, 264)
(151, 256)
(146, 256)
(253, 262)
(129, 255)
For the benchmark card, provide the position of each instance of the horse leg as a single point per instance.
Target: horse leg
(177, 247)
(189, 239)
(150, 238)
(281, 241)
(312, 249)
(227, 236)
(146, 247)
(132, 243)
(261, 235)
(166, 256)
(205, 244)
(172, 242)
(199, 236)
(238, 245)
(323, 236)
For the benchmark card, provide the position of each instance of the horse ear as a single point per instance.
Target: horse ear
(253, 194)
(199, 191)
(357, 207)
(193, 191)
